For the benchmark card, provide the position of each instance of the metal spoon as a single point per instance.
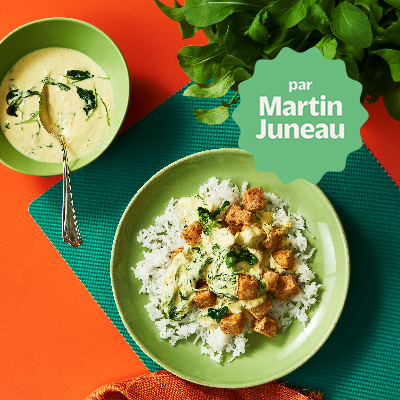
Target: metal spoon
(70, 229)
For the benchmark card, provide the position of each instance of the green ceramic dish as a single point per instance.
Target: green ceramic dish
(265, 359)
(76, 35)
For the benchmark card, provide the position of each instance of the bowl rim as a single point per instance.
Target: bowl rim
(329, 331)
(106, 140)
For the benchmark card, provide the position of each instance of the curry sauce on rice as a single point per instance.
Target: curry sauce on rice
(224, 263)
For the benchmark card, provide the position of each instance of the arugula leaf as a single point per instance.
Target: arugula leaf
(327, 45)
(238, 42)
(201, 63)
(391, 99)
(232, 258)
(258, 31)
(351, 25)
(14, 98)
(218, 211)
(393, 59)
(212, 116)
(207, 12)
(315, 19)
(214, 89)
(288, 13)
(365, 34)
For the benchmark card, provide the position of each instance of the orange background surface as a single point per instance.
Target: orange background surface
(55, 340)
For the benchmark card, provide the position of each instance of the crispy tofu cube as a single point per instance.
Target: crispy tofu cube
(271, 278)
(233, 229)
(274, 238)
(192, 233)
(204, 298)
(247, 287)
(284, 258)
(266, 326)
(254, 199)
(261, 310)
(232, 323)
(250, 234)
(236, 216)
(175, 253)
(286, 288)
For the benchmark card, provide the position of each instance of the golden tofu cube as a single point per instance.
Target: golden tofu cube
(192, 233)
(284, 258)
(274, 238)
(254, 199)
(232, 323)
(236, 216)
(233, 229)
(247, 287)
(271, 278)
(267, 326)
(204, 298)
(261, 310)
(286, 288)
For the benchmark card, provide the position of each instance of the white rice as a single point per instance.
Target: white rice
(163, 238)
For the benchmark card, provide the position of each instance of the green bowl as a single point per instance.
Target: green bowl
(266, 358)
(76, 35)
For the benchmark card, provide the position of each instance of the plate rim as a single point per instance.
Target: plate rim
(231, 386)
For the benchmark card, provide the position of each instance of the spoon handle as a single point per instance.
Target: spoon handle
(70, 232)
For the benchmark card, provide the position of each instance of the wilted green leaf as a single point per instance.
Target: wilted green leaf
(207, 12)
(201, 63)
(392, 57)
(213, 116)
(327, 45)
(214, 89)
(351, 25)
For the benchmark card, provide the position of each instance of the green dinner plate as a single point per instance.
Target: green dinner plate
(266, 358)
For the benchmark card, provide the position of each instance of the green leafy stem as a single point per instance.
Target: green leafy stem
(365, 34)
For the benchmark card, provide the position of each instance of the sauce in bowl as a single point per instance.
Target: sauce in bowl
(78, 99)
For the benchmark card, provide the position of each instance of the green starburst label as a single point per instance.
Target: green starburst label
(300, 115)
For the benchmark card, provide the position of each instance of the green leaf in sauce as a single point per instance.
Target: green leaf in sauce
(7, 125)
(32, 116)
(206, 217)
(77, 75)
(217, 313)
(50, 81)
(232, 258)
(107, 116)
(175, 315)
(90, 99)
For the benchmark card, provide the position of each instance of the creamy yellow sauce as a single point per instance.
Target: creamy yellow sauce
(207, 260)
(82, 129)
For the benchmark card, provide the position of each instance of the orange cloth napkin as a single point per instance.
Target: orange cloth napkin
(162, 385)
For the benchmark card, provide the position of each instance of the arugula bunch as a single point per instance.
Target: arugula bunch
(365, 34)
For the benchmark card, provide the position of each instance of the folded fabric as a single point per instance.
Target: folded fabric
(163, 385)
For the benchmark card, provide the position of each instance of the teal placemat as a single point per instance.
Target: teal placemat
(361, 359)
